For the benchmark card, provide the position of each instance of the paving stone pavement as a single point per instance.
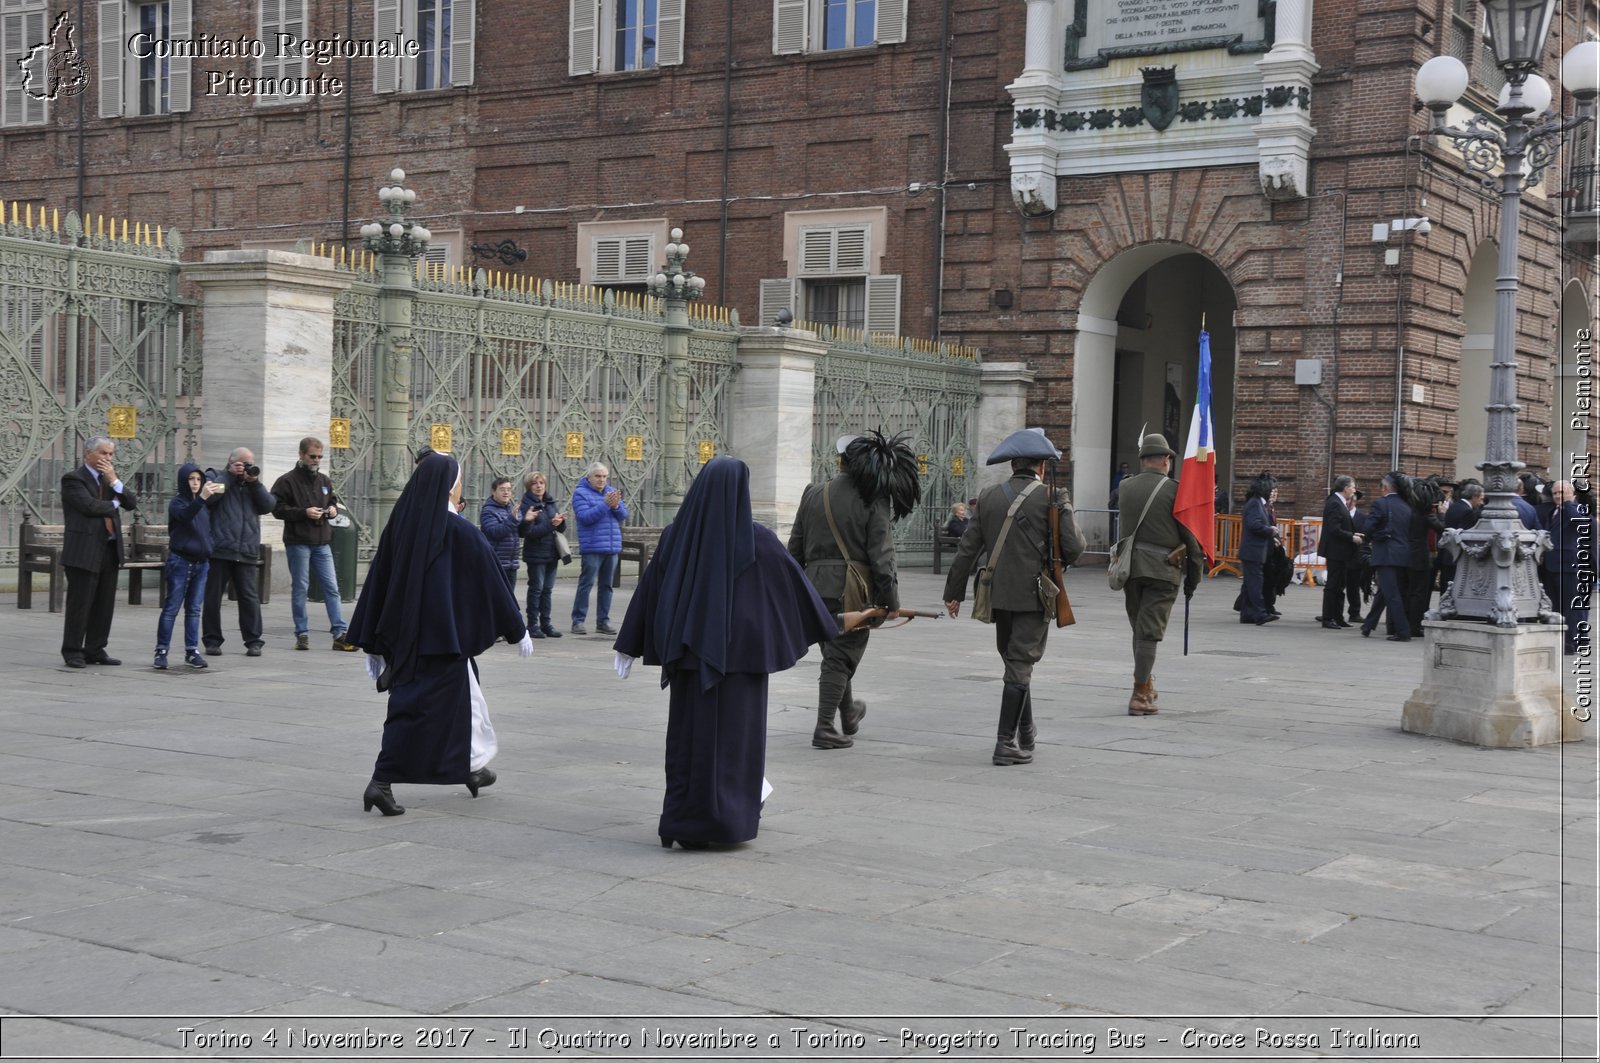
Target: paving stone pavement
(1267, 861)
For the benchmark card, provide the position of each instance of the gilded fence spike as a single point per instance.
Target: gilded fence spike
(29, 216)
(55, 221)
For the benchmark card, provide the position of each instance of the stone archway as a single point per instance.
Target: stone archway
(1137, 351)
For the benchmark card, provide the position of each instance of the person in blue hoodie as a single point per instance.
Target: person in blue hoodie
(188, 558)
(502, 525)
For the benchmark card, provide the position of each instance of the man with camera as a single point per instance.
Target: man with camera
(236, 550)
(305, 502)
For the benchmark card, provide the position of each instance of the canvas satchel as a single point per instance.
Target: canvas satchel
(857, 594)
(983, 592)
(1120, 570)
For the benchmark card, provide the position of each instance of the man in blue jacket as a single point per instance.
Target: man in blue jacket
(236, 551)
(600, 512)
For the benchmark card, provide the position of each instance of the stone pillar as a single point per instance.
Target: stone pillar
(268, 358)
(1002, 409)
(1042, 56)
(675, 387)
(774, 400)
(396, 351)
(1284, 134)
(1491, 685)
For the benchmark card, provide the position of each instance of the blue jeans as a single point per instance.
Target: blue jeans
(186, 589)
(598, 570)
(541, 581)
(301, 557)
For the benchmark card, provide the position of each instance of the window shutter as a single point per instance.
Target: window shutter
(438, 254)
(816, 252)
(891, 28)
(608, 259)
(584, 36)
(789, 26)
(181, 14)
(386, 24)
(669, 33)
(850, 250)
(775, 295)
(463, 26)
(883, 305)
(637, 260)
(111, 59)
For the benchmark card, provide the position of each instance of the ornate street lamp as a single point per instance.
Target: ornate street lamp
(397, 234)
(1497, 569)
(677, 282)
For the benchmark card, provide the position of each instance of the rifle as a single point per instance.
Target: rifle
(1064, 617)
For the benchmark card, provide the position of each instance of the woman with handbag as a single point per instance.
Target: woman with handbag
(543, 525)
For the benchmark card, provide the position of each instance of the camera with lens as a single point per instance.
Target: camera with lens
(252, 470)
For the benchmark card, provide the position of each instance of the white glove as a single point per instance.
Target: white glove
(624, 665)
(525, 647)
(374, 666)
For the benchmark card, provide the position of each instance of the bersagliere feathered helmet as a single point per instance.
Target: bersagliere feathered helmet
(884, 468)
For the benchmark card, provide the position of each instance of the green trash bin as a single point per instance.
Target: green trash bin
(345, 538)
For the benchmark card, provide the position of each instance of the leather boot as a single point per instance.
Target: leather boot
(851, 713)
(1006, 750)
(1142, 703)
(826, 736)
(1027, 733)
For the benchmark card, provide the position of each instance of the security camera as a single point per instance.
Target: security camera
(1424, 227)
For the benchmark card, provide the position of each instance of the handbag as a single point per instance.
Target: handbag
(563, 548)
(983, 591)
(1120, 570)
(857, 595)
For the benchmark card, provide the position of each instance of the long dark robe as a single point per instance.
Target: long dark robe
(717, 734)
(434, 598)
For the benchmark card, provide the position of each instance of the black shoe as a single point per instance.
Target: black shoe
(1355, 618)
(213, 651)
(666, 843)
(252, 650)
(193, 659)
(579, 629)
(1265, 618)
(1399, 638)
(828, 738)
(850, 716)
(378, 794)
(1342, 623)
(76, 662)
(1274, 613)
(109, 661)
(549, 631)
(605, 629)
(535, 633)
(1366, 632)
(1333, 625)
(479, 780)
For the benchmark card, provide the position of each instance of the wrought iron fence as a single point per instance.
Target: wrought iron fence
(521, 377)
(92, 343)
(929, 391)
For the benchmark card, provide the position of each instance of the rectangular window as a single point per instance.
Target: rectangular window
(443, 31)
(840, 303)
(25, 52)
(433, 38)
(611, 35)
(836, 25)
(154, 73)
(281, 16)
(848, 24)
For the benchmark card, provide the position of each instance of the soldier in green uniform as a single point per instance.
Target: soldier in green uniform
(1021, 620)
(1165, 553)
(850, 519)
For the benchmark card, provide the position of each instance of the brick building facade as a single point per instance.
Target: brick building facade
(956, 179)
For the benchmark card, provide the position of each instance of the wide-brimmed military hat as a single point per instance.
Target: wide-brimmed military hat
(1024, 443)
(1154, 445)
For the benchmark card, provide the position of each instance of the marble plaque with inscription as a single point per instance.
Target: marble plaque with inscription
(1133, 27)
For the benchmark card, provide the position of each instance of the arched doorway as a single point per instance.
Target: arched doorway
(1136, 361)
(1477, 352)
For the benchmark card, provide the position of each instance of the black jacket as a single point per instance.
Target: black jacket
(296, 491)
(1336, 543)
(236, 519)
(538, 544)
(84, 519)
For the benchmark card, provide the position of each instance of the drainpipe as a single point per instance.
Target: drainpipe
(943, 134)
(727, 147)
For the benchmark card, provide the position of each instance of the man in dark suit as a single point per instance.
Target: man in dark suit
(1389, 531)
(1021, 623)
(1339, 545)
(842, 524)
(1462, 513)
(92, 499)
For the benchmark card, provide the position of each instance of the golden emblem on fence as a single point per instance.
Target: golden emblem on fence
(708, 450)
(439, 438)
(339, 433)
(575, 445)
(511, 442)
(633, 448)
(122, 422)
(958, 466)
(922, 464)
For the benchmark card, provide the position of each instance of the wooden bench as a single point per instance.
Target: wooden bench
(41, 552)
(146, 551)
(941, 543)
(638, 544)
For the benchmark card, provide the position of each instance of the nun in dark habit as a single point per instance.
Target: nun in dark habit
(721, 607)
(434, 599)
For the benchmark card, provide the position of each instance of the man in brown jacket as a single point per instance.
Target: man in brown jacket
(1021, 621)
(877, 484)
(1165, 553)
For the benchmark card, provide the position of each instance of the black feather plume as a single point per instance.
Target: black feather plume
(884, 468)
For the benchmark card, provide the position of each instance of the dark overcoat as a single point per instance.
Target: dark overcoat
(84, 513)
